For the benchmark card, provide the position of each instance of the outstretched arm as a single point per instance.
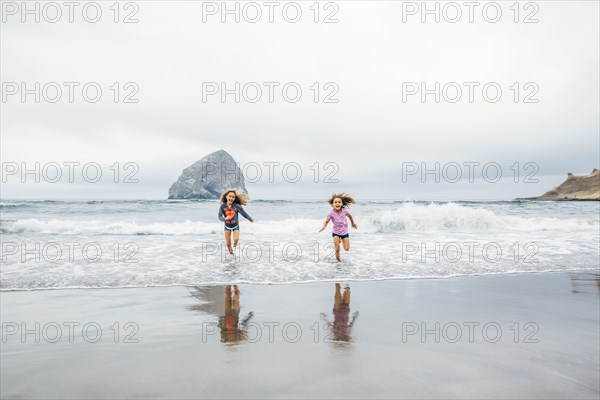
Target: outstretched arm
(326, 320)
(352, 221)
(245, 214)
(247, 319)
(354, 316)
(325, 224)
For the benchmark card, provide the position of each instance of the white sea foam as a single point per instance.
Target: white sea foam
(11, 204)
(406, 218)
(394, 241)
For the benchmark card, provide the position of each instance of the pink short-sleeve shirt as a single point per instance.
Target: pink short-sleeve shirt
(340, 225)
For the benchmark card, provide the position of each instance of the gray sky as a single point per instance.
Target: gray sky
(370, 135)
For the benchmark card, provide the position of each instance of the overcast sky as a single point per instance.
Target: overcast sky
(367, 61)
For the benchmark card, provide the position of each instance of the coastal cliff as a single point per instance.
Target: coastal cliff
(585, 187)
(208, 178)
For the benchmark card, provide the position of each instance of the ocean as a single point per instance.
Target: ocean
(48, 244)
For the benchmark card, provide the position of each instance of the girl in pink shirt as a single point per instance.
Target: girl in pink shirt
(340, 203)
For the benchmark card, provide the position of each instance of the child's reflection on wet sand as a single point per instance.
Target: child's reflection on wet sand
(341, 327)
(231, 329)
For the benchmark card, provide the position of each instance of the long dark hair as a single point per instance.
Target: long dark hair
(240, 198)
(347, 199)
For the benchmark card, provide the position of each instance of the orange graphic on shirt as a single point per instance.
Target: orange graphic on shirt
(229, 214)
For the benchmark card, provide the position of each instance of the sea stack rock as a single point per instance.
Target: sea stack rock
(208, 178)
(586, 187)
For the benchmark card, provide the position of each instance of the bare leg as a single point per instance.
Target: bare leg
(346, 298)
(236, 237)
(346, 243)
(227, 298)
(336, 245)
(228, 240)
(337, 298)
(236, 299)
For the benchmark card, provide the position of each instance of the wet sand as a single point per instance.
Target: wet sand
(503, 336)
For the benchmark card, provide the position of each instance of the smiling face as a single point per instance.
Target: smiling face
(337, 204)
(230, 198)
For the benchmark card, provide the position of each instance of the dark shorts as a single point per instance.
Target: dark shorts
(340, 236)
(236, 228)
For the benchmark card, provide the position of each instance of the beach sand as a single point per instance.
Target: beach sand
(500, 336)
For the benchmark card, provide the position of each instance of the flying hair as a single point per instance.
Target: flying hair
(347, 199)
(240, 198)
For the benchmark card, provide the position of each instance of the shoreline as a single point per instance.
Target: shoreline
(521, 336)
(332, 280)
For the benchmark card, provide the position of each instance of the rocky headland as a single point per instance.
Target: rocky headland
(584, 187)
(208, 178)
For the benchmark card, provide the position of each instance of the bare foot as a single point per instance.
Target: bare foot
(230, 249)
